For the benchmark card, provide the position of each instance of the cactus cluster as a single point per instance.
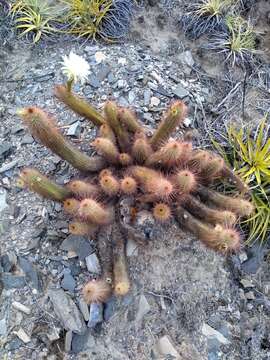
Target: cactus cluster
(166, 176)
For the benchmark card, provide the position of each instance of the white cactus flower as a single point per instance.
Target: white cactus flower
(75, 67)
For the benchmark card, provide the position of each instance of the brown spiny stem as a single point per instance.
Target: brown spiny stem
(129, 120)
(120, 272)
(207, 214)
(83, 189)
(173, 118)
(43, 128)
(82, 228)
(111, 112)
(224, 240)
(107, 149)
(78, 105)
(93, 211)
(105, 251)
(35, 181)
(141, 149)
(237, 205)
(106, 132)
(235, 179)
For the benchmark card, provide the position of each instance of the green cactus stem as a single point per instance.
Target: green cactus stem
(78, 105)
(111, 112)
(43, 128)
(173, 118)
(35, 181)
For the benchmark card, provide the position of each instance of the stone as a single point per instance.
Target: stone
(55, 334)
(79, 244)
(211, 333)
(83, 342)
(18, 306)
(242, 256)
(16, 129)
(92, 264)
(146, 96)
(143, 308)
(74, 129)
(84, 309)
(8, 166)
(94, 81)
(187, 122)
(250, 295)
(246, 283)
(96, 315)
(13, 281)
(8, 261)
(67, 311)
(180, 92)
(30, 272)
(99, 57)
(131, 96)
(121, 83)
(68, 283)
(3, 327)
(14, 344)
(132, 248)
(165, 348)
(188, 352)
(154, 101)
(111, 78)
(103, 72)
(27, 139)
(255, 255)
(68, 341)
(5, 149)
(186, 59)
(3, 199)
(110, 308)
(23, 336)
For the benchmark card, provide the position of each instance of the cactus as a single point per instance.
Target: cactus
(173, 118)
(43, 127)
(167, 176)
(109, 184)
(162, 212)
(93, 211)
(141, 149)
(78, 105)
(107, 149)
(128, 185)
(35, 181)
(120, 272)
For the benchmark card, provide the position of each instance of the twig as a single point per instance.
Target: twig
(244, 96)
(230, 94)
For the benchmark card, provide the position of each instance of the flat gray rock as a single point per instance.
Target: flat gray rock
(13, 281)
(67, 311)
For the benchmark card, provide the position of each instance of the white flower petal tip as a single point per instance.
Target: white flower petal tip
(75, 67)
(99, 57)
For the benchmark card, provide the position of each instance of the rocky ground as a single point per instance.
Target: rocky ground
(186, 302)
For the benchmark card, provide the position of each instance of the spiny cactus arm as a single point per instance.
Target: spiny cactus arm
(82, 228)
(223, 240)
(35, 181)
(208, 215)
(173, 118)
(237, 205)
(111, 112)
(107, 149)
(235, 179)
(93, 211)
(141, 149)
(120, 271)
(78, 105)
(43, 128)
(106, 132)
(128, 119)
(105, 251)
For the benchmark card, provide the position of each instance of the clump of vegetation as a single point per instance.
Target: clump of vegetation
(88, 18)
(35, 18)
(161, 175)
(238, 43)
(204, 17)
(249, 155)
